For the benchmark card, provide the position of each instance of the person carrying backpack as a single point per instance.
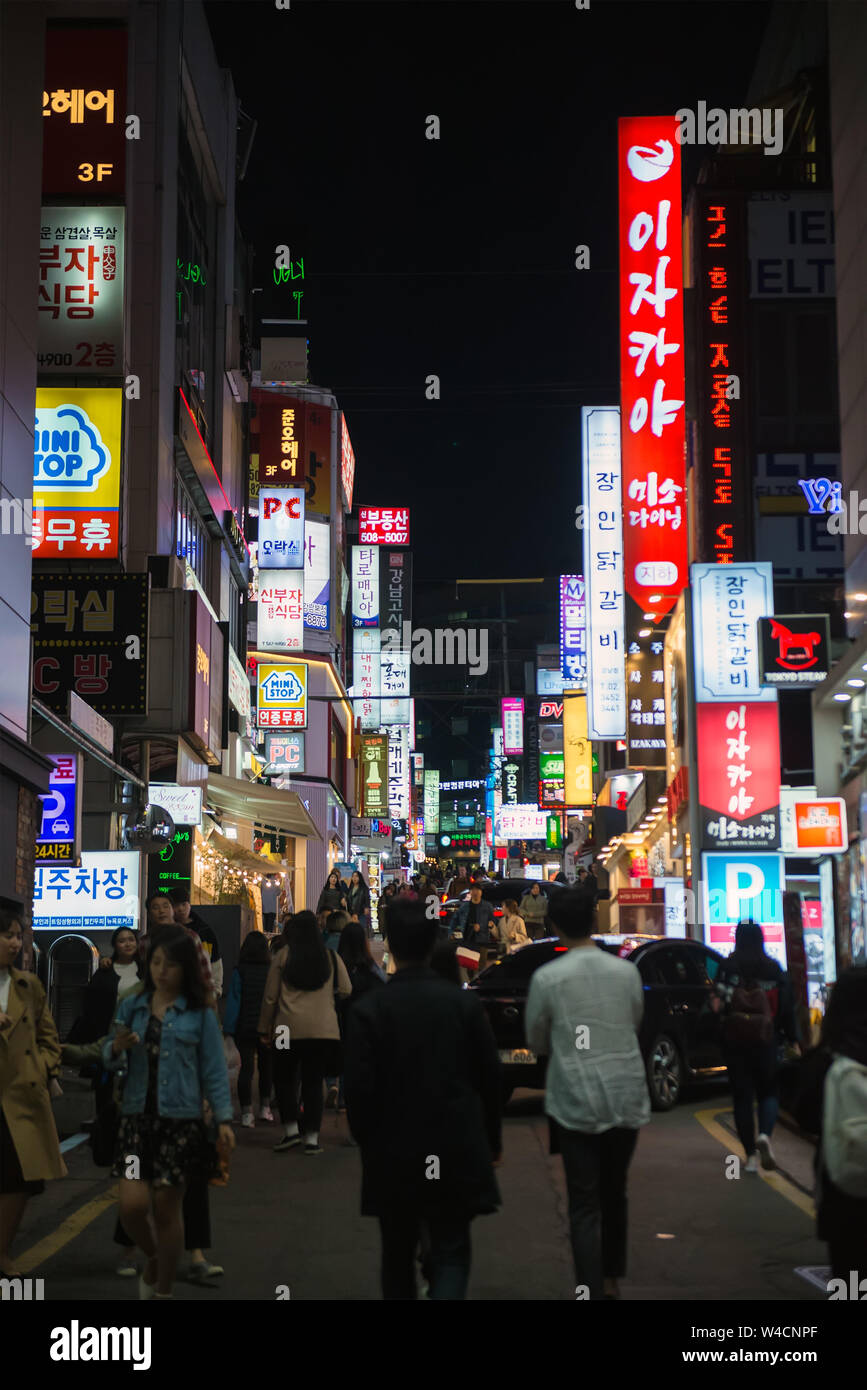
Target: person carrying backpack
(758, 1016)
(832, 1103)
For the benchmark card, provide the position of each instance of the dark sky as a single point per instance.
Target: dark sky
(456, 256)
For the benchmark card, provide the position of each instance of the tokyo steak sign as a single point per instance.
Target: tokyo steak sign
(652, 394)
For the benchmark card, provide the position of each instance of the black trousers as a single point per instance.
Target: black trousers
(445, 1240)
(307, 1058)
(197, 1218)
(251, 1051)
(596, 1167)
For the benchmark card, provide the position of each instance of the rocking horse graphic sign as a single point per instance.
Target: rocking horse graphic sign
(794, 649)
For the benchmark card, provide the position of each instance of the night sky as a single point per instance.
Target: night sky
(456, 256)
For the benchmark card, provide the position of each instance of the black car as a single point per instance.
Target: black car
(680, 1034)
(498, 892)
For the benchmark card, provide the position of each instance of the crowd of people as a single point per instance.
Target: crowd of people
(412, 1061)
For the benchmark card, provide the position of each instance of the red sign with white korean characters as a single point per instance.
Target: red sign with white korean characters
(652, 394)
(739, 775)
(383, 526)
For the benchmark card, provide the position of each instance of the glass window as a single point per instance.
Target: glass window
(668, 965)
(191, 542)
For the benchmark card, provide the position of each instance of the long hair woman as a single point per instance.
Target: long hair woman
(299, 1021)
(168, 1042)
(29, 1056)
(241, 1021)
(333, 895)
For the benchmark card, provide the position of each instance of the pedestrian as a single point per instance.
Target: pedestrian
(358, 900)
(511, 929)
(241, 1022)
(280, 939)
(333, 895)
(167, 1042)
(29, 1060)
(299, 1021)
(364, 974)
(474, 919)
(269, 892)
(334, 924)
(758, 1017)
(584, 1011)
(533, 909)
(161, 916)
(423, 1102)
(833, 1105)
(444, 962)
(459, 883)
(186, 917)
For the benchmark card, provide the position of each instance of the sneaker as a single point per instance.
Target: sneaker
(266, 1114)
(766, 1153)
(289, 1141)
(126, 1269)
(205, 1270)
(331, 1098)
(247, 1120)
(313, 1149)
(752, 1164)
(145, 1291)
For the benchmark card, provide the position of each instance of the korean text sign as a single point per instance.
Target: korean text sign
(383, 525)
(573, 635)
(281, 528)
(366, 677)
(743, 888)
(512, 708)
(76, 473)
(373, 769)
(739, 774)
(99, 896)
(365, 586)
(84, 111)
(90, 637)
(280, 611)
(317, 575)
(577, 752)
(282, 695)
(603, 572)
(80, 293)
(728, 601)
(652, 394)
(59, 832)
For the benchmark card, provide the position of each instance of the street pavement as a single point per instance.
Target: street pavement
(291, 1221)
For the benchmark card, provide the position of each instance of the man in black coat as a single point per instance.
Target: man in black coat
(422, 1084)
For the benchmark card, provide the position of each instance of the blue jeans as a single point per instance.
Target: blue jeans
(446, 1257)
(753, 1076)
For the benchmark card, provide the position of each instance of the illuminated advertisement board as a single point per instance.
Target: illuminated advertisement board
(285, 752)
(281, 440)
(512, 711)
(60, 830)
(652, 395)
(603, 572)
(432, 800)
(365, 586)
(366, 680)
(81, 288)
(90, 636)
(76, 473)
(521, 822)
(645, 694)
(282, 695)
(374, 774)
(399, 773)
(281, 528)
(317, 575)
(739, 775)
(573, 635)
(84, 110)
(744, 888)
(347, 463)
(577, 752)
(727, 603)
(395, 588)
(100, 895)
(383, 525)
(280, 611)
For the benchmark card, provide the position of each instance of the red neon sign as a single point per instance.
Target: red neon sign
(653, 429)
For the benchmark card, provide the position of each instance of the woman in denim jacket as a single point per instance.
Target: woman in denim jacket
(168, 1044)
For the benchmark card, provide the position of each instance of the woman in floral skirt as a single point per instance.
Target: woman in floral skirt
(168, 1042)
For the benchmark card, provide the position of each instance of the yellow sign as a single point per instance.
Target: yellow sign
(282, 689)
(77, 447)
(577, 752)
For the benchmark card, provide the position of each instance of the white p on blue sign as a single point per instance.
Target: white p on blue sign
(744, 888)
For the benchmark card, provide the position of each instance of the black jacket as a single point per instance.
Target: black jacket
(773, 980)
(364, 979)
(98, 1004)
(358, 899)
(331, 899)
(422, 1083)
(207, 935)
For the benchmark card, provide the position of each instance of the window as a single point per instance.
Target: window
(795, 378)
(195, 337)
(667, 965)
(191, 541)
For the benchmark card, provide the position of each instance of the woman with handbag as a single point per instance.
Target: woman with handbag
(299, 1021)
(167, 1041)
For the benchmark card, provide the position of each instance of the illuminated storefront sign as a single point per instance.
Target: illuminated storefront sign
(90, 637)
(76, 473)
(347, 463)
(60, 830)
(280, 611)
(101, 895)
(399, 773)
(383, 525)
(184, 804)
(366, 677)
(739, 775)
(395, 588)
(373, 773)
(282, 695)
(744, 888)
(512, 712)
(81, 290)
(728, 601)
(84, 111)
(281, 440)
(652, 363)
(724, 498)
(285, 752)
(645, 697)
(577, 752)
(573, 635)
(794, 649)
(603, 571)
(817, 825)
(432, 800)
(365, 586)
(205, 704)
(281, 528)
(521, 822)
(317, 575)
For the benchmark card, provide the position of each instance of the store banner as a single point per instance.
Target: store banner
(280, 611)
(317, 575)
(399, 773)
(432, 800)
(744, 888)
(645, 694)
(90, 636)
(383, 525)
(366, 677)
(284, 752)
(204, 724)
(373, 775)
(727, 603)
(573, 628)
(81, 290)
(281, 440)
(603, 571)
(347, 464)
(794, 649)
(282, 695)
(739, 775)
(76, 473)
(512, 713)
(281, 528)
(317, 423)
(101, 894)
(84, 110)
(395, 589)
(59, 837)
(577, 752)
(365, 586)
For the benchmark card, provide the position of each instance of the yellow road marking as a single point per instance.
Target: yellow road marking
(66, 1231)
(707, 1119)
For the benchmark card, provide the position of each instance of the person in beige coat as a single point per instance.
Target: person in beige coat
(510, 928)
(299, 1021)
(29, 1058)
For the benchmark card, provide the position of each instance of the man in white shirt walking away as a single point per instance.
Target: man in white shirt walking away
(584, 1011)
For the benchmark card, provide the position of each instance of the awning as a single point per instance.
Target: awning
(263, 805)
(242, 857)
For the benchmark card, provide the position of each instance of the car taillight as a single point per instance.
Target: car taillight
(444, 913)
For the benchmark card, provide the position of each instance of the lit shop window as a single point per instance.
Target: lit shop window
(190, 540)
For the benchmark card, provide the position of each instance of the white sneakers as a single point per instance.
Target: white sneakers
(766, 1153)
(247, 1121)
(752, 1164)
(265, 1114)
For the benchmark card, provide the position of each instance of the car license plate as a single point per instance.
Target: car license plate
(517, 1055)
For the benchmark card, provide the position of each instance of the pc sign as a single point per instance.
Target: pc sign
(744, 888)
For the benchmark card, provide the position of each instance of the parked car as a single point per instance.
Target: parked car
(498, 892)
(680, 1037)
